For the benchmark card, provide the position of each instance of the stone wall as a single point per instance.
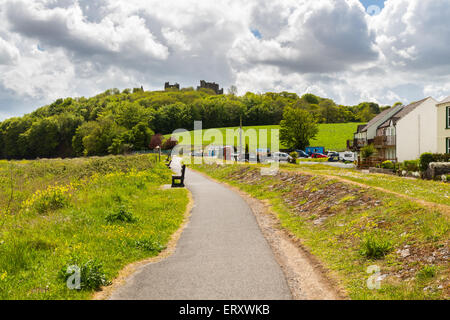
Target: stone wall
(437, 169)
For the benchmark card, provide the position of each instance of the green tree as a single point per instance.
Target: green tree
(297, 128)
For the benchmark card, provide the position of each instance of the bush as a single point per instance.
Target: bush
(387, 165)
(368, 151)
(294, 156)
(122, 215)
(92, 276)
(427, 272)
(411, 165)
(427, 158)
(52, 198)
(375, 247)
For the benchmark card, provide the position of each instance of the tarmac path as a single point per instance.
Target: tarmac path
(221, 254)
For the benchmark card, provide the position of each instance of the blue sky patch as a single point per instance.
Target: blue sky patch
(256, 33)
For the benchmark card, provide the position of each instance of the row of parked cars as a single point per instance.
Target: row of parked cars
(332, 156)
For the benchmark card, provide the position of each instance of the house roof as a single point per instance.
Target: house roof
(446, 100)
(379, 117)
(360, 128)
(404, 111)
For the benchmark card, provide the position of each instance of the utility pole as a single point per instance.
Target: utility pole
(240, 139)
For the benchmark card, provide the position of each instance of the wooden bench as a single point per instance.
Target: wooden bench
(179, 184)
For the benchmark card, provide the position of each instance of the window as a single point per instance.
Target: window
(448, 145)
(447, 119)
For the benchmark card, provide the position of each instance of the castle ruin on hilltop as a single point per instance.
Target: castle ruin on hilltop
(203, 85)
(167, 85)
(210, 85)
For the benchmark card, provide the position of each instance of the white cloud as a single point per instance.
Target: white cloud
(9, 54)
(331, 48)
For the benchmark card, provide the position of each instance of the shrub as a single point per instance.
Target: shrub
(52, 198)
(92, 276)
(425, 160)
(427, 272)
(368, 151)
(294, 156)
(387, 165)
(375, 247)
(121, 215)
(411, 165)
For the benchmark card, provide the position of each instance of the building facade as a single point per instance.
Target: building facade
(405, 132)
(443, 126)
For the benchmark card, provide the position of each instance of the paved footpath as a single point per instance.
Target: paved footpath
(221, 254)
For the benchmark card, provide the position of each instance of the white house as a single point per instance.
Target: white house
(409, 132)
(443, 126)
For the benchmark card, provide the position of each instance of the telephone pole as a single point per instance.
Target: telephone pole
(240, 139)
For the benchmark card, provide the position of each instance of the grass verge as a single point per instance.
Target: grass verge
(98, 214)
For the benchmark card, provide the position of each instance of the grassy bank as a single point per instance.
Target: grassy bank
(430, 191)
(331, 136)
(350, 228)
(96, 213)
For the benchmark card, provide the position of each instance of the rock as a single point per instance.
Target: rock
(404, 253)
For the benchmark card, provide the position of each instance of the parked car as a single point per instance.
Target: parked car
(281, 156)
(332, 153)
(347, 156)
(318, 156)
(302, 154)
(197, 153)
(333, 158)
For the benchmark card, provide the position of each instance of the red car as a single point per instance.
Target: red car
(318, 156)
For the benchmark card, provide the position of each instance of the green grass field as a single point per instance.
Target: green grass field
(99, 214)
(331, 136)
(350, 228)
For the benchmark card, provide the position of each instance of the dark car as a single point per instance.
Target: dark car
(333, 158)
(302, 154)
(318, 156)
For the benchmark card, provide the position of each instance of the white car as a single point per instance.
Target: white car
(347, 156)
(281, 156)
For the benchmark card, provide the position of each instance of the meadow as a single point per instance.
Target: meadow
(331, 136)
(98, 214)
(351, 229)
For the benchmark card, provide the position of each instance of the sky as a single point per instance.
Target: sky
(347, 50)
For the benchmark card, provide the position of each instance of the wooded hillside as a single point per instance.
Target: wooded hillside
(114, 122)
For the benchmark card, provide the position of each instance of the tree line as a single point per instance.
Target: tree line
(115, 122)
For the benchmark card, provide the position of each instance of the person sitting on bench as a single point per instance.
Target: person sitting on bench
(179, 184)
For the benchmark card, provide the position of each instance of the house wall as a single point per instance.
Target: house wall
(442, 132)
(417, 132)
(372, 130)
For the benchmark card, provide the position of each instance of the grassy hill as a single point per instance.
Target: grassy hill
(331, 136)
